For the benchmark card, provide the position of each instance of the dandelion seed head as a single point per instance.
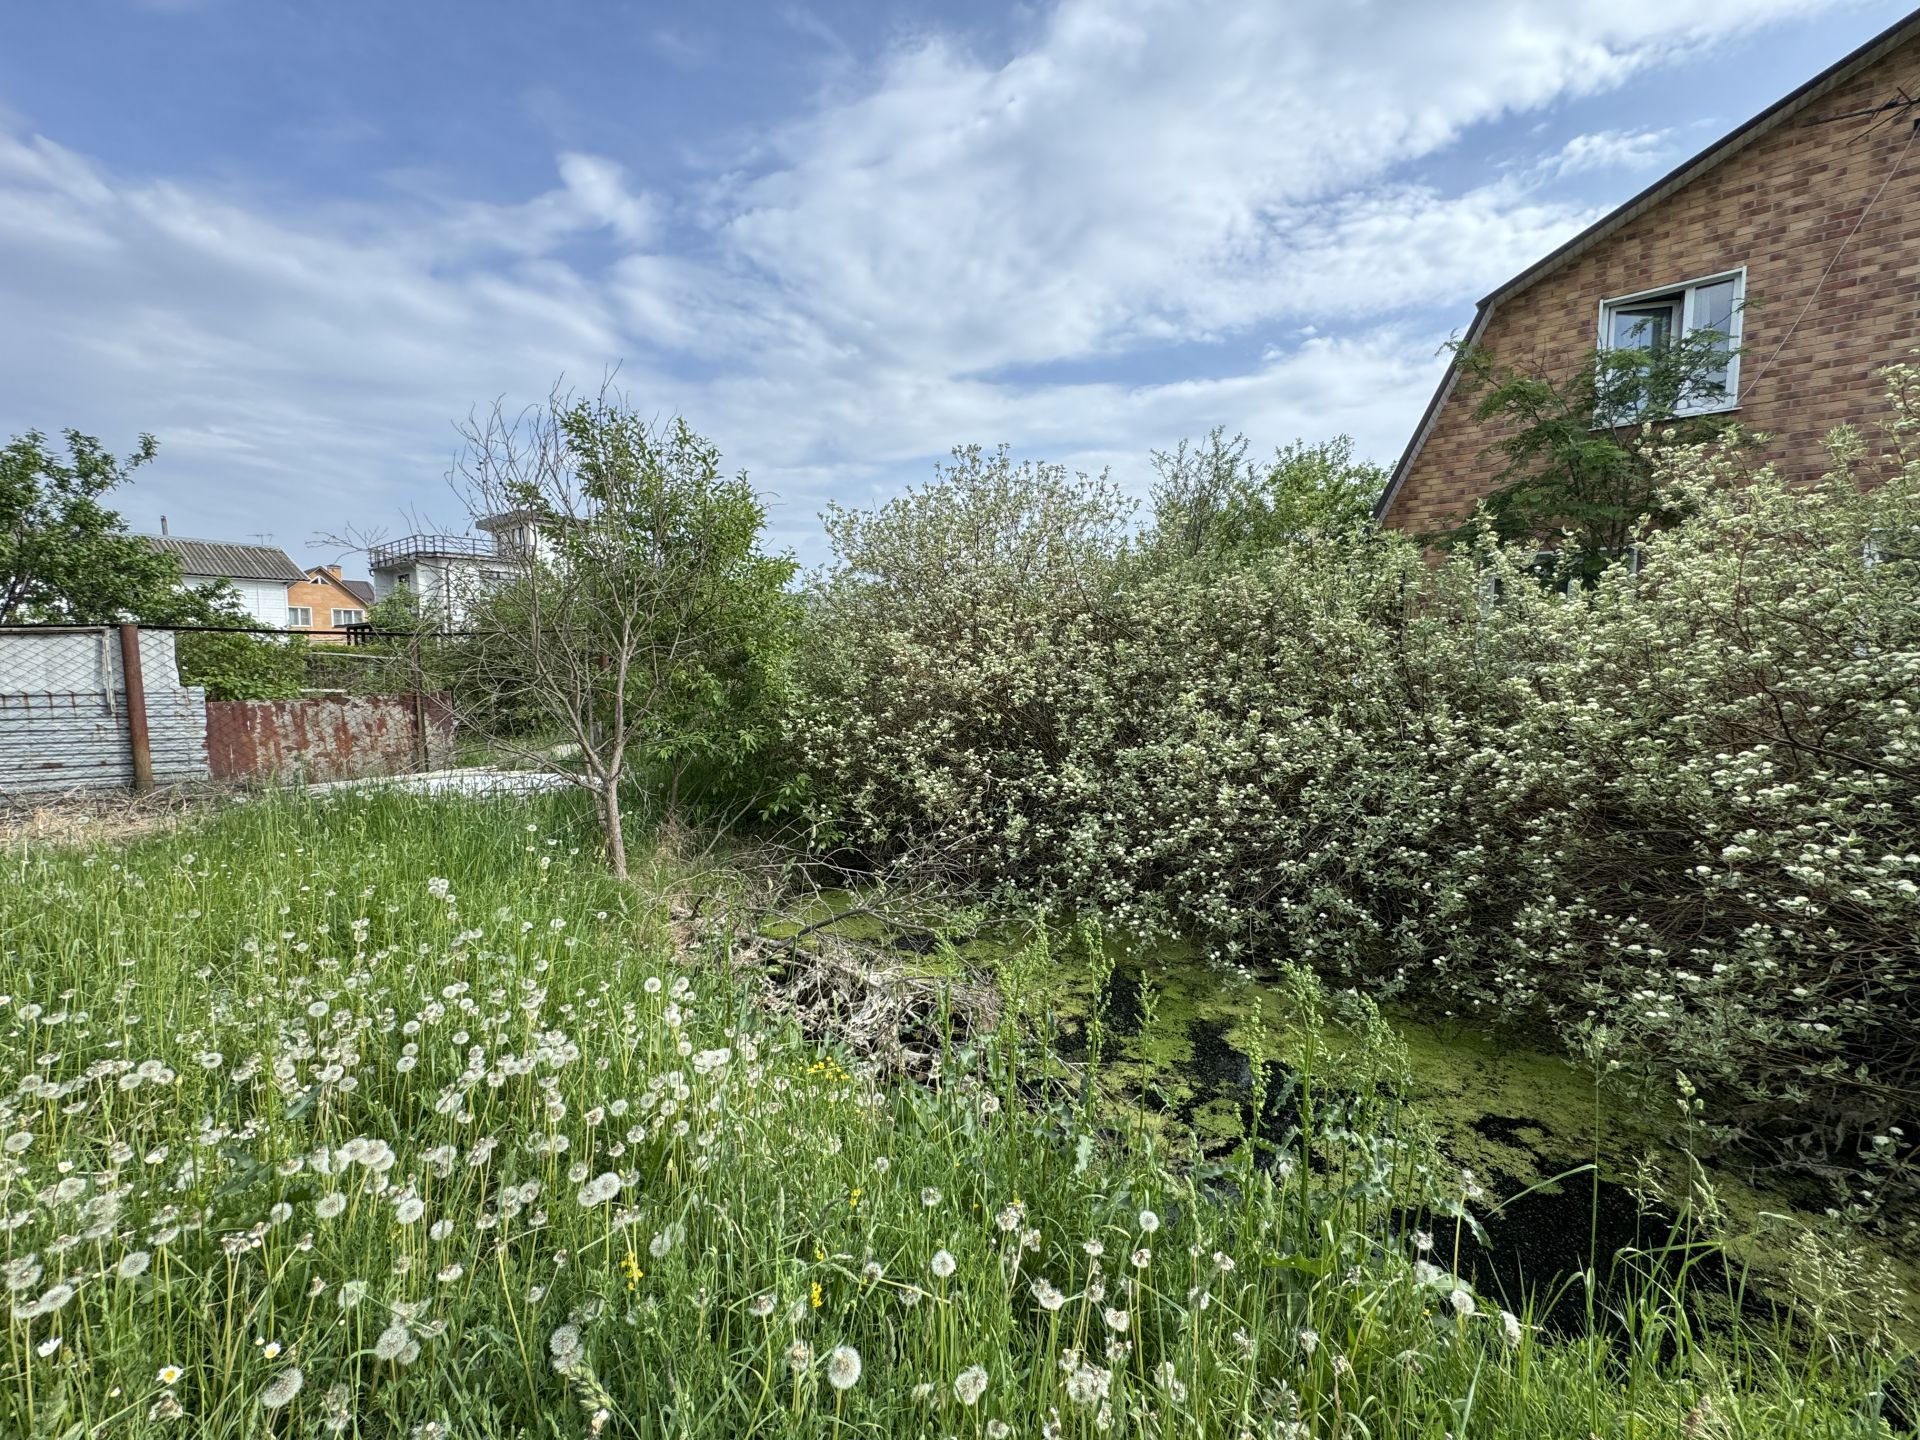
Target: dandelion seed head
(969, 1385)
(282, 1388)
(843, 1367)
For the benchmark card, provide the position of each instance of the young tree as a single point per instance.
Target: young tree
(1577, 454)
(65, 556)
(1212, 500)
(639, 616)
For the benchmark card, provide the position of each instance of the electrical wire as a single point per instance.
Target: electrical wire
(1898, 161)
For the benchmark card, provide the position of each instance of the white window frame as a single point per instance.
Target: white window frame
(357, 617)
(1687, 289)
(294, 612)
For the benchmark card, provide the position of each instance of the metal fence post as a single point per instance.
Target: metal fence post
(139, 746)
(422, 750)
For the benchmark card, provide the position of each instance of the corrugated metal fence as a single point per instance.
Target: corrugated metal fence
(70, 721)
(328, 737)
(65, 719)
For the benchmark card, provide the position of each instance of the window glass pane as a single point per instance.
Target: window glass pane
(1713, 307)
(1713, 320)
(1641, 327)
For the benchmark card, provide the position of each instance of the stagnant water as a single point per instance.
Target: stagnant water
(1177, 1034)
(1535, 1240)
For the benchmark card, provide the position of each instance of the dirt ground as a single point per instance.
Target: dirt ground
(85, 817)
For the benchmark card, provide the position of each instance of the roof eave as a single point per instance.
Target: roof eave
(1682, 175)
(1431, 414)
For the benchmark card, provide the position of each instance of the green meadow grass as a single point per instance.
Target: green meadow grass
(388, 1116)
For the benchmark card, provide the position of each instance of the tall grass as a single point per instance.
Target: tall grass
(390, 1116)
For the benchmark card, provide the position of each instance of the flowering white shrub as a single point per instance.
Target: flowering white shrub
(1685, 804)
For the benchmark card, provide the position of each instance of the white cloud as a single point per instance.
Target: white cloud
(1612, 150)
(1143, 174)
(1146, 159)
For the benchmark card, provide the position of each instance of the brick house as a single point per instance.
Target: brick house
(1797, 235)
(319, 605)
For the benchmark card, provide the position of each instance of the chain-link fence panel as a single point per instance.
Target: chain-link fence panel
(96, 707)
(121, 707)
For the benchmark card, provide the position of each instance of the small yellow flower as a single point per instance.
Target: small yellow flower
(853, 1198)
(817, 1297)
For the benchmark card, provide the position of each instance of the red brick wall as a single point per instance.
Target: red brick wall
(1781, 207)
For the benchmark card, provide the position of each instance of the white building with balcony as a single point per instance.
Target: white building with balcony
(445, 572)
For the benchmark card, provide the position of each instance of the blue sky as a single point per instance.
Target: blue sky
(299, 241)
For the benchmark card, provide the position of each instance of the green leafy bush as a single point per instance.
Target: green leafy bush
(234, 665)
(1678, 813)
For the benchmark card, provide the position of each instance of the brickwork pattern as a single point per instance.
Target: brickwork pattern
(322, 598)
(1782, 208)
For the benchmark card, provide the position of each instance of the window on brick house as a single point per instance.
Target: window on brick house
(349, 617)
(299, 617)
(1704, 312)
(1564, 574)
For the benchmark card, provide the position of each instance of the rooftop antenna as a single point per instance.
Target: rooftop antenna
(1901, 102)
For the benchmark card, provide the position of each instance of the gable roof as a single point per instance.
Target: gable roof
(1682, 175)
(360, 590)
(229, 562)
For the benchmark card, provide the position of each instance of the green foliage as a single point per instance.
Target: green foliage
(66, 557)
(398, 617)
(239, 666)
(394, 1116)
(933, 647)
(667, 553)
(1579, 454)
(1212, 501)
(1678, 811)
(639, 618)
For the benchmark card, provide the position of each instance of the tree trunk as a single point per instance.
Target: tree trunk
(611, 830)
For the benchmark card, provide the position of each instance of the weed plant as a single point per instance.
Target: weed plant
(389, 1116)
